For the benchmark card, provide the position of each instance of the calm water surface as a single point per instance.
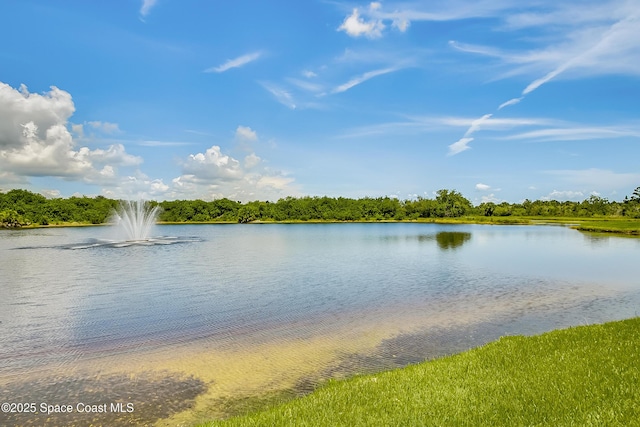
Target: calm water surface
(78, 324)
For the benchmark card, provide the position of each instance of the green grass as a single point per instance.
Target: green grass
(477, 219)
(618, 225)
(607, 225)
(581, 376)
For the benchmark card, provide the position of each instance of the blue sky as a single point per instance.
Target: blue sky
(258, 100)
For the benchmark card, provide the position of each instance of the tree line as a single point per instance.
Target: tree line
(22, 207)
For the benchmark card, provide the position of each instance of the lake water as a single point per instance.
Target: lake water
(181, 331)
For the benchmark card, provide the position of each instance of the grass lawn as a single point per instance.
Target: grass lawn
(588, 375)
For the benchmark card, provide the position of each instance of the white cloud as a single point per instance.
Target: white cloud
(422, 124)
(245, 133)
(251, 161)
(93, 130)
(281, 95)
(309, 74)
(105, 127)
(212, 165)
(481, 50)
(35, 139)
(489, 122)
(476, 124)
(146, 7)
(305, 85)
(450, 10)
(18, 107)
(370, 21)
(402, 24)
(274, 182)
(137, 186)
(490, 198)
(459, 146)
(512, 101)
(235, 63)
(115, 154)
(564, 195)
(51, 193)
(362, 78)
(356, 26)
(539, 82)
(482, 187)
(214, 174)
(577, 133)
(596, 41)
(593, 39)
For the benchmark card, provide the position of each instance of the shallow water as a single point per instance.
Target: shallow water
(236, 310)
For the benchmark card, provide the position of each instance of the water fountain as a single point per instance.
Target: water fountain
(133, 224)
(135, 220)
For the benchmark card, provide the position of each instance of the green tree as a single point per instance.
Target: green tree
(451, 203)
(487, 208)
(635, 196)
(248, 213)
(11, 218)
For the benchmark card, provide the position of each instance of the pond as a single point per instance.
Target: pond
(179, 332)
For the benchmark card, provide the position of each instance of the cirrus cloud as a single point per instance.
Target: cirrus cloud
(238, 62)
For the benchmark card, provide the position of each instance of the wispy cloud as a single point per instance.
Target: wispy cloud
(459, 146)
(427, 124)
(281, 95)
(597, 39)
(478, 49)
(235, 63)
(306, 85)
(476, 124)
(374, 20)
(146, 7)
(611, 44)
(512, 101)
(576, 133)
(362, 78)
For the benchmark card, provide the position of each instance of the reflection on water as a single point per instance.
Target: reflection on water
(445, 239)
(245, 309)
(451, 239)
(108, 243)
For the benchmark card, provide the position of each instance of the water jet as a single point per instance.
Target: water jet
(135, 220)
